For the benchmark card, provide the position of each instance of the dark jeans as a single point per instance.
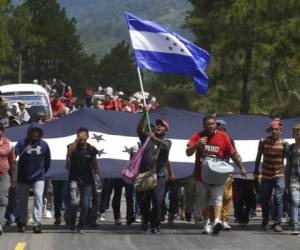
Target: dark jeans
(105, 195)
(11, 206)
(96, 198)
(244, 199)
(155, 198)
(118, 185)
(267, 187)
(172, 188)
(61, 197)
(80, 197)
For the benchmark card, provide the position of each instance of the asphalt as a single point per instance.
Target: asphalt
(180, 236)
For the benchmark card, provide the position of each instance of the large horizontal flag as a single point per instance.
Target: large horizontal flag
(114, 134)
(160, 49)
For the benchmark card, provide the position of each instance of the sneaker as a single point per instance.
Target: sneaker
(295, 232)
(155, 230)
(21, 228)
(138, 220)
(72, 228)
(48, 214)
(1, 230)
(226, 226)
(102, 217)
(37, 229)
(80, 230)
(207, 229)
(217, 226)
(277, 228)
(118, 222)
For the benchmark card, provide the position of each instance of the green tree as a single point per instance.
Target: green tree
(253, 44)
(117, 69)
(5, 41)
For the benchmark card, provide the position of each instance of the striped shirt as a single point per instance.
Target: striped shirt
(273, 158)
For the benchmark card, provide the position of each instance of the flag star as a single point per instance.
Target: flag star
(170, 48)
(101, 152)
(127, 150)
(98, 137)
(182, 50)
(175, 44)
(167, 38)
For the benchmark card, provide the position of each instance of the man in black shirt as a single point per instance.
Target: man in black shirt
(82, 165)
(156, 155)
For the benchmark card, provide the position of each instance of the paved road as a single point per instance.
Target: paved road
(181, 236)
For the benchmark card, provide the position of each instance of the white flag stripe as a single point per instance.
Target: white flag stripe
(158, 42)
(114, 147)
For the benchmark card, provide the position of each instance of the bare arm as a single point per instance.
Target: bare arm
(95, 166)
(13, 175)
(191, 149)
(170, 171)
(238, 161)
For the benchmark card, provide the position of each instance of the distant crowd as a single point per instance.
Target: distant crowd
(63, 102)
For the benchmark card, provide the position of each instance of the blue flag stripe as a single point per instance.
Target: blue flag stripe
(173, 63)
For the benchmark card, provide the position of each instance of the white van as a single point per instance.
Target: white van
(35, 96)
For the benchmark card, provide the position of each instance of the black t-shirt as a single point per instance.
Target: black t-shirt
(81, 168)
(150, 153)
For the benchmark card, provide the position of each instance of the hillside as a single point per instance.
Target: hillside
(101, 24)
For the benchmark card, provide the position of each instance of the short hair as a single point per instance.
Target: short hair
(82, 129)
(208, 117)
(296, 128)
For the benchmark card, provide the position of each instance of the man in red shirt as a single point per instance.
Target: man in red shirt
(211, 142)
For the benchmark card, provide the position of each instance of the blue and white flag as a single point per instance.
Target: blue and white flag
(159, 49)
(114, 135)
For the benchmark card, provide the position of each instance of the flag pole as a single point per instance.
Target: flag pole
(144, 99)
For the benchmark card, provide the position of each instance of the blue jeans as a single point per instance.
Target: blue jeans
(267, 187)
(80, 197)
(22, 202)
(4, 186)
(295, 196)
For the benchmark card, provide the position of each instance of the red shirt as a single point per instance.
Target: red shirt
(57, 107)
(109, 105)
(7, 156)
(218, 145)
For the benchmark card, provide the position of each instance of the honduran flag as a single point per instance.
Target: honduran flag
(114, 134)
(159, 49)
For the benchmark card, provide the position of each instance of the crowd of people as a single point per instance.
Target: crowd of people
(274, 186)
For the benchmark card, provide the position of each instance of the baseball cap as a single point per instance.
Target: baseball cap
(276, 123)
(163, 122)
(221, 124)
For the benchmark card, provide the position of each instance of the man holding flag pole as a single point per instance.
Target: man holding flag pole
(159, 49)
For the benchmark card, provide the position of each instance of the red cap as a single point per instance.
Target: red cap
(163, 122)
(275, 124)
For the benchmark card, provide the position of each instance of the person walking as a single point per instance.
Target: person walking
(7, 173)
(83, 167)
(273, 149)
(34, 162)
